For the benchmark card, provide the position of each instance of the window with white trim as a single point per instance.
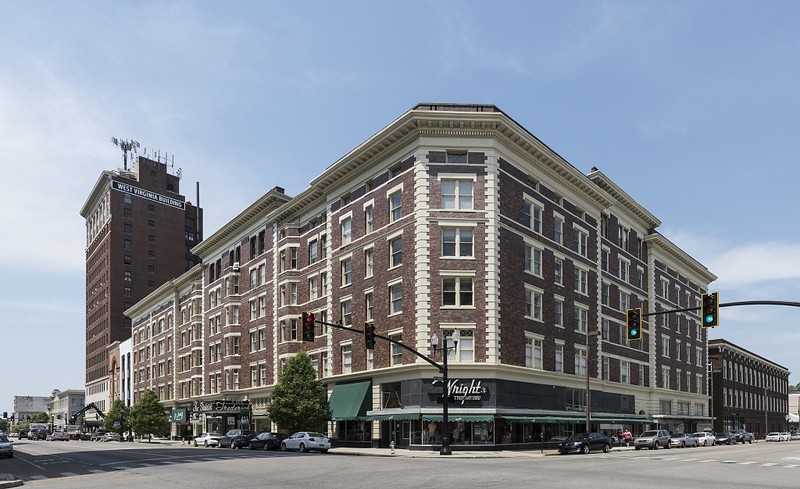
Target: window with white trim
(559, 358)
(396, 350)
(368, 305)
(396, 298)
(558, 271)
(369, 224)
(457, 194)
(624, 301)
(346, 308)
(665, 346)
(580, 361)
(581, 280)
(532, 218)
(558, 312)
(313, 287)
(533, 260)
(347, 271)
(533, 303)
(347, 230)
(582, 242)
(457, 242)
(347, 359)
(369, 262)
(624, 270)
(534, 352)
(457, 291)
(581, 318)
(395, 252)
(395, 205)
(624, 372)
(558, 229)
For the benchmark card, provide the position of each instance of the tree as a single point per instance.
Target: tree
(298, 399)
(117, 417)
(39, 418)
(148, 417)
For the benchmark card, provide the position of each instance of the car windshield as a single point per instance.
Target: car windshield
(3, 439)
(677, 435)
(650, 433)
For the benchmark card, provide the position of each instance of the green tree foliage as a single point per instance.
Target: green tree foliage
(117, 417)
(298, 400)
(40, 418)
(148, 417)
(794, 389)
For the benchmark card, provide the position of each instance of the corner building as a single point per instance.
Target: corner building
(451, 218)
(139, 234)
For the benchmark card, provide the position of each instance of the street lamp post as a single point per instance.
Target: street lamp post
(445, 450)
(588, 394)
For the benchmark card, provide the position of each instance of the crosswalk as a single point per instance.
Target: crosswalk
(719, 461)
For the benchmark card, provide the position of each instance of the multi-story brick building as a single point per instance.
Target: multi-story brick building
(452, 218)
(139, 233)
(748, 391)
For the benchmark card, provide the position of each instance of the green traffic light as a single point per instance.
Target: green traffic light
(634, 332)
(709, 318)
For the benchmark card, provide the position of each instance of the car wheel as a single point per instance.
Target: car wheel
(637, 448)
(750, 441)
(606, 448)
(302, 447)
(585, 449)
(655, 446)
(283, 447)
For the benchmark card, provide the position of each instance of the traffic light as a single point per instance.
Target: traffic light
(709, 310)
(369, 336)
(633, 318)
(309, 325)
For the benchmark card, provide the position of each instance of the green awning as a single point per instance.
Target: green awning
(393, 417)
(477, 418)
(349, 402)
(543, 419)
(621, 420)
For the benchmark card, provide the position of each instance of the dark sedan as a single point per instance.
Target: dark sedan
(585, 443)
(727, 438)
(236, 438)
(267, 441)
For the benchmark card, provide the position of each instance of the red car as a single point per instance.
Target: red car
(38, 434)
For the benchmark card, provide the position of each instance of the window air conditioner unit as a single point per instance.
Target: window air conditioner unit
(236, 266)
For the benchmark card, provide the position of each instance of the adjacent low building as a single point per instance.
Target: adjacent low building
(453, 218)
(749, 391)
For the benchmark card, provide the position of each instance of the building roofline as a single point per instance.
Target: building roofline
(724, 342)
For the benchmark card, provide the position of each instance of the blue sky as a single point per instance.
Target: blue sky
(692, 107)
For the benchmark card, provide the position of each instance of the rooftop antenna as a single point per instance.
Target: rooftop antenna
(126, 147)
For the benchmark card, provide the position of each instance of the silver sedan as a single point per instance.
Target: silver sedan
(706, 438)
(305, 441)
(682, 440)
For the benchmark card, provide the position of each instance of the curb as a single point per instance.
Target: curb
(8, 480)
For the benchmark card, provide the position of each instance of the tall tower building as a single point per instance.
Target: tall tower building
(139, 233)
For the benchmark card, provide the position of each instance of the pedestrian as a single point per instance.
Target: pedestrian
(626, 435)
(619, 436)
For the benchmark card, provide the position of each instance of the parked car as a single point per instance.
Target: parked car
(305, 441)
(786, 436)
(6, 447)
(57, 436)
(111, 436)
(585, 443)
(726, 438)
(652, 439)
(38, 434)
(23, 433)
(267, 441)
(207, 440)
(683, 440)
(744, 436)
(236, 438)
(97, 435)
(706, 438)
(773, 436)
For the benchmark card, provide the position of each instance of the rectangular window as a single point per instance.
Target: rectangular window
(581, 281)
(558, 313)
(396, 252)
(397, 351)
(559, 358)
(313, 251)
(533, 303)
(624, 270)
(347, 231)
(457, 291)
(605, 292)
(558, 229)
(347, 271)
(558, 272)
(582, 242)
(368, 306)
(457, 194)
(457, 242)
(395, 206)
(313, 288)
(532, 216)
(369, 264)
(581, 319)
(624, 372)
(580, 362)
(369, 224)
(533, 260)
(624, 301)
(347, 312)
(347, 359)
(396, 298)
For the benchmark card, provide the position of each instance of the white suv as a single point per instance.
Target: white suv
(706, 438)
(652, 439)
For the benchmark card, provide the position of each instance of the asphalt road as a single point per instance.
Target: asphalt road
(88, 465)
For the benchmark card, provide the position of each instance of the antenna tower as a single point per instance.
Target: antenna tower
(126, 147)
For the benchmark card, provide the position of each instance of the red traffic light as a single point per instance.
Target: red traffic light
(309, 325)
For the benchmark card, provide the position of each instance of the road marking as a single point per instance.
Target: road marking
(770, 464)
(746, 463)
(38, 477)
(96, 471)
(790, 466)
(707, 461)
(689, 459)
(68, 474)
